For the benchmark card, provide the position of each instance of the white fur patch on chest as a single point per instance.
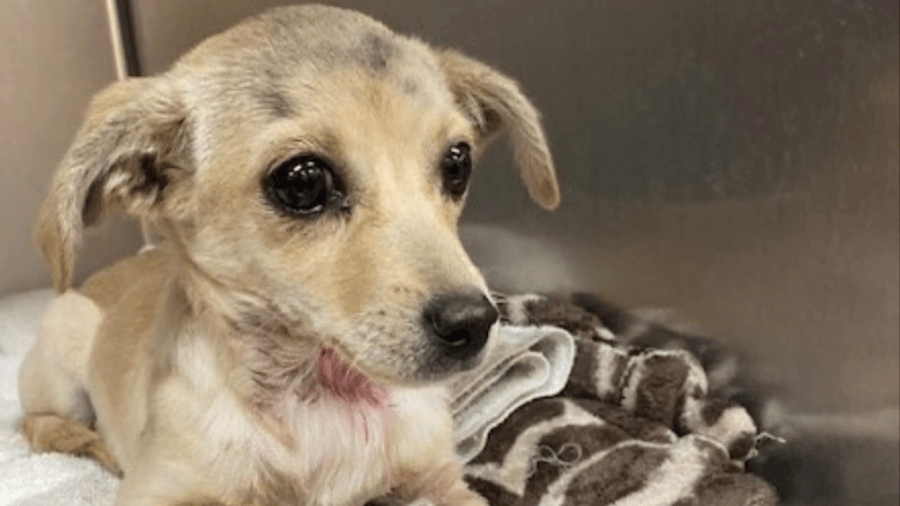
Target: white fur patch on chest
(346, 453)
(346, 445)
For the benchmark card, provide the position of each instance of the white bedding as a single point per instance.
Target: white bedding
(27, 478)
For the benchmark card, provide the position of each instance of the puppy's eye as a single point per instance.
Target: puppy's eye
(303, 185)
(456, 167)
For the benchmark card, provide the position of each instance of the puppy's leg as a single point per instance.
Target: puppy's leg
(158, 480)
(57, 410)
(54, 372)
(461, 495)
(53, 433)
(458, 496)
(441, 486)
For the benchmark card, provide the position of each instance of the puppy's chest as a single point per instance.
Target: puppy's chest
(347, 453)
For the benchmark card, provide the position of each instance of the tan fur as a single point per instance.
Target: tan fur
(195, 362)
(52, 433)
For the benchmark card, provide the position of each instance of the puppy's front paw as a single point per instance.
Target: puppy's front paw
(462, 495)
(458, 495)
(471, 500)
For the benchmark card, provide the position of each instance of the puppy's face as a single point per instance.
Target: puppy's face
(312, 172)
(335, 213)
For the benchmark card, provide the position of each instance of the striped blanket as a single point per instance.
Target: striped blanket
(639, 420)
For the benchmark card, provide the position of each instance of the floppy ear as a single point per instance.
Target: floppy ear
(495, 103)
(127, 152)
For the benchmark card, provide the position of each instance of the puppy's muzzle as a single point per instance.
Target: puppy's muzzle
(459, 323)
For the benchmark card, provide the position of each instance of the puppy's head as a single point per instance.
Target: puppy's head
(309, 167)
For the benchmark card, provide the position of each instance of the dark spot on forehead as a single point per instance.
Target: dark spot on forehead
(276, 102)
(410, 86)
(376, 51)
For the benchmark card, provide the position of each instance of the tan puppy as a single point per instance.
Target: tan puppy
(287, 341)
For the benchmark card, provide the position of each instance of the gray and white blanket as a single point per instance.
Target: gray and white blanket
(622, 412)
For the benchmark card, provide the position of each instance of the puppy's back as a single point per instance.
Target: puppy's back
(107, 286)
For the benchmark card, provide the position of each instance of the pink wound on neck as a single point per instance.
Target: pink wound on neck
(347, 383)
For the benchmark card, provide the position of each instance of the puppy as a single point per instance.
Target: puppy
(287, 341)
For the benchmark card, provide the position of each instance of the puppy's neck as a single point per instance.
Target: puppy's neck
(339, 380)
(274, 363)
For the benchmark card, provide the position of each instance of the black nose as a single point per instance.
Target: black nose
(460, 322)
